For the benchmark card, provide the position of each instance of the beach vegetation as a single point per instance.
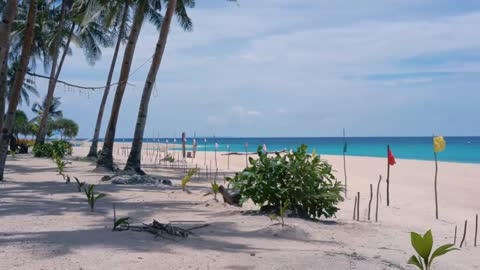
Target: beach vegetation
(423, 246)
(80, 184)
(121, 224)
(215, 190)
(92, 196)
(188, 177)
(307, 183)
(282, 212)
(54, 150)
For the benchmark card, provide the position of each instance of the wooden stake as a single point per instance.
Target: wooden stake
(345, 162)
(464, 233)
(358, 206)
(388, 177)
(476, 230)
(370, 202)
(378, 194)
(355, 208)
(455, 236)
(436, 193)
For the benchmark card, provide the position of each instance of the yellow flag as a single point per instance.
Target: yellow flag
(314, 152)
(439, 144)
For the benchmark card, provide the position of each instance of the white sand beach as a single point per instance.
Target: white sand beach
(46, 224)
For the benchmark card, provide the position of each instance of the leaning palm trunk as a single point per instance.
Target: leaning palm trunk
(98, 125)
(17, 85)
(9, 15)
(3, 92)
(106, 157)
(54, 74)
(133, 162)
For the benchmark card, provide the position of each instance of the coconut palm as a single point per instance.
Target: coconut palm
(54, 111)
(143, 8)
(89, 38)
(17, 85)
(134, 159)
(28, 88)
(122, 20)
(8, 14)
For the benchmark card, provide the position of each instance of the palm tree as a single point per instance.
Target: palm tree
(9, 12)
(29, 87)
(67, 127)
(121, 36)
(134, 159)
(88, 38)
(54, 111)
(17, 85)
(150, 9)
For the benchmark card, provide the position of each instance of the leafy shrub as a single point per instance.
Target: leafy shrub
(304, 181)
(92, 197)
(423, 246)
(53, 150)
(43, 150)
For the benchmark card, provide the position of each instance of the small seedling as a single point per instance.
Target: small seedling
(92, 197)
(215, 190)
(79, 184)
(66, 178)
(121, 224)
(12, 153)
(170, 159)
(188, 177)
(423, 246)
(60, 165)
(282, 210)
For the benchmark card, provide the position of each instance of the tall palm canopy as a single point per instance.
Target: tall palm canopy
(54, 111)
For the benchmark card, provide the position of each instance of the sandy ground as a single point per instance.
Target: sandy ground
(46, 224)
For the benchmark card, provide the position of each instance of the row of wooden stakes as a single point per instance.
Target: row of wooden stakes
(356, 206)
(465, 233)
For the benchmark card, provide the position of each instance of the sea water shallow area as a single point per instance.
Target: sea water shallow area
(459, 149)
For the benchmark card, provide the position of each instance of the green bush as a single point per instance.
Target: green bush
(302, 180)
(56, 149)
(43, 150)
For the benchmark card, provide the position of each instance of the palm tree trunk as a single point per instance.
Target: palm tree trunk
(98, 125)
(17, 85)
(3, 92)
(9, 15)
(106, 157)
(134, 159)
(5, 28)
(54, 73)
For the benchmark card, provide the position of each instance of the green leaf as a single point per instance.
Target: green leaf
(423, 245)
(441, 251)
(99, 196)
(414, 261)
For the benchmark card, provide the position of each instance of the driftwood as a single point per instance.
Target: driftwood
(231, 197)
(160, 229)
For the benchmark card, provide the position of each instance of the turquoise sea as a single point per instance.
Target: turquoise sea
(459, 149)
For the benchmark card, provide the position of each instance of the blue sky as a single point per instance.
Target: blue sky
(301, 68)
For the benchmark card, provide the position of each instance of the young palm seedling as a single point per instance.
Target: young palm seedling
(66, 178)
(121, 224)
(215, 190)
(423, 246)
(92, 197)
(282, 210)
(60, 165)
(188, 177)
(79, 184)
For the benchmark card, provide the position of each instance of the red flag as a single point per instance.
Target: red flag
(391, 158)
